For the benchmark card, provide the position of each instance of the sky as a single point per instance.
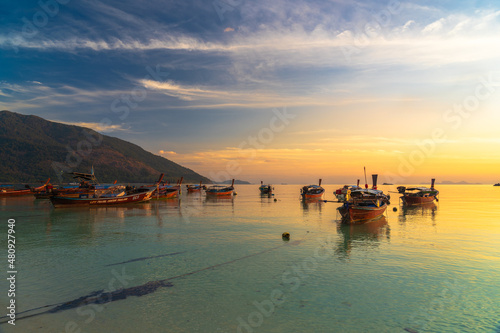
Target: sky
(279, 91)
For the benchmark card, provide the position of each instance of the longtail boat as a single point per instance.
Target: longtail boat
(418, 195)
(137, 195)
(312, 191)
(220, 190)
(8, 191)
(164, 190)
(364, 204)
(193, 188)
(87, 184)
(340, 193)
(265, 189)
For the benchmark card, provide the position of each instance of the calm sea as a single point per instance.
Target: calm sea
(198, 265)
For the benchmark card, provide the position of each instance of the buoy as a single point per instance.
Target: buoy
(235, 193)
(275, 199)
(285, 236)
(394, 209)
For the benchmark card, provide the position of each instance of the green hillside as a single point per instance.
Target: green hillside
(33, 149)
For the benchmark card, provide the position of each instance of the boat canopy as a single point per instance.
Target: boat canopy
(83, 176)
(368, 191)
(421, 189)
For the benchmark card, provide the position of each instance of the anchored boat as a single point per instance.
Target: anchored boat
(9, 191)
(265, 189)
(165, 191)
(312, 191)
(133, 196)
(361, 205)
(418, 195)
(220, 190)
(194, 188)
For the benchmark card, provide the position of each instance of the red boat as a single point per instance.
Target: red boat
(364, 204)
(418, 195)
(6, 191)
(355, 212)
(312, 191)
(138, 195)
(220, 190)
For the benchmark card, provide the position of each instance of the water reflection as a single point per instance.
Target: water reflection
(219, 198)
(361, 236)
(23, 201)
(312, 205)
(428, 210)
(88, 220)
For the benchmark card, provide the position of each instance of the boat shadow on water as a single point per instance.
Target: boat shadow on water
(362, 236)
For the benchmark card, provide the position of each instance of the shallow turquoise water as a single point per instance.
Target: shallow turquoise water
(426, 269)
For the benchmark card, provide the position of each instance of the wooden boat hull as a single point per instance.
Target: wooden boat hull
(220, 194)
(63, 201)
(165, 194)
(417, 200)
(15, 193)
(353, 214)
(309, 196)
(194, 190)
(25, 191)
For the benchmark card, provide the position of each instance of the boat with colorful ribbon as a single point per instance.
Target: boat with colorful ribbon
(418, 195)
(361, 205)
(340, 193)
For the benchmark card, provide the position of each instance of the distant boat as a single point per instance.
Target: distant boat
(497, 184)
(312, 191)
(418, 195)
(387, 184)
(9, 191)
(220, 190)
(361, 205)
(341, 193)
(265, 189)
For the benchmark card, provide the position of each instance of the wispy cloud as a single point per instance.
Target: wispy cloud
(451, 38)
(98, 127)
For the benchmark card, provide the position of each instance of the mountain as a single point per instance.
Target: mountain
(237, 181)
(33, 149)
(463, 182)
